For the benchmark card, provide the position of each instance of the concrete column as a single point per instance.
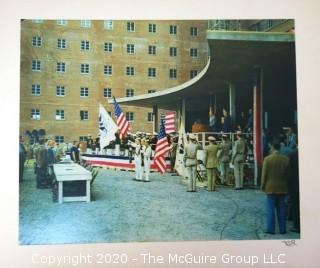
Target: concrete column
(155, 118)
(183, 112)
(257, 123)
(232, 103)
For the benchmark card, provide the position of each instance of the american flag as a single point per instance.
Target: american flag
(162, 148)
(169, 122)
(122, 122)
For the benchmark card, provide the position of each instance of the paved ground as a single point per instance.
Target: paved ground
(124, 210)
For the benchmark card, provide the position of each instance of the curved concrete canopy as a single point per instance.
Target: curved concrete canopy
(233, 58)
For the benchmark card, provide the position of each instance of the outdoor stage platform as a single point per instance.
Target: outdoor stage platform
(116, 162)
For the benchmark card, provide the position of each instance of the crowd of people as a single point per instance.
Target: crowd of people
(279, 176)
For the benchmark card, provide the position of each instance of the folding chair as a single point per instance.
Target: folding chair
(201, 171)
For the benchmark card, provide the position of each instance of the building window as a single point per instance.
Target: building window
(60, 91)
(35, 90)
(107, 92)
(152, 72)
(130, 48)
(150, 117)
(173, 73)
(84, 115)
(84, 92)
(59, 139)
(107, 69)
(129, 116)
(35, 114)
(130, 26)
(59, 114)
(83, 138)
(62, 22)
(85, 23)
(193, 31)
(173, 51)
(129, 71)
(108, 47)
(173, 29)
(36, 65)
(37, 21)
(61, 43)
(151, 91)
(152, 50)
(84, 68)
(193, 52)
(85, 45)
(269, 23)
(36, 41)
(193, 73)
(108, 24)
(152, 28)
(61, 67)
(129, 92)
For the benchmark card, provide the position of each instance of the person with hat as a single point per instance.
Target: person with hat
(224, 158)
(190, 161)
(238, 158)
(147, 159)
(137, 152)
(211, 162)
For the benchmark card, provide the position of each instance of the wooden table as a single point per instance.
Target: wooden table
(72, 172)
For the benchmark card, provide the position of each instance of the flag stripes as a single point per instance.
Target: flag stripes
(162, 148)
(122, 122)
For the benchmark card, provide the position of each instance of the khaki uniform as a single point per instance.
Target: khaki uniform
(224, 160)
(238, 159)
(211, 163)
(190, 160)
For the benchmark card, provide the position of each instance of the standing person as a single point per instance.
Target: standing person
(22, 158)
(274, 182)
(173, 151)
(238, 159)
(291, 138)
(42, 163)
(74, 152)
(242, 121)
(224, 158)
(212, 121)
(211, 162)
(190, 161)
(51, 156)
(226, 122)
(137, 150)
(147, 151)
(89, 144)
(294, 190)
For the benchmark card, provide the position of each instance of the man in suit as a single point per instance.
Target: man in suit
(274, 182)
(211, 162)
(224, 158)
(238, 159)
(190, 161)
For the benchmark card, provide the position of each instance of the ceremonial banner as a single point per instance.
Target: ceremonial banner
(179, 165)
(107, 127)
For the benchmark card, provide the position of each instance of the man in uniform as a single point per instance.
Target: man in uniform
(190, 161)
(137, 151)
(211, 162)
(238, 159)
(274, 182)
(224, 158)
(147, 159)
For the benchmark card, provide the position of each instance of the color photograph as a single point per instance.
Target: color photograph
(158, 131)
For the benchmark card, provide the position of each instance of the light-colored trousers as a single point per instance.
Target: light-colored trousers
(138, 168)
(191, 170)
(238, 174)
(224, 168)
(147, 169)
(211, 175)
